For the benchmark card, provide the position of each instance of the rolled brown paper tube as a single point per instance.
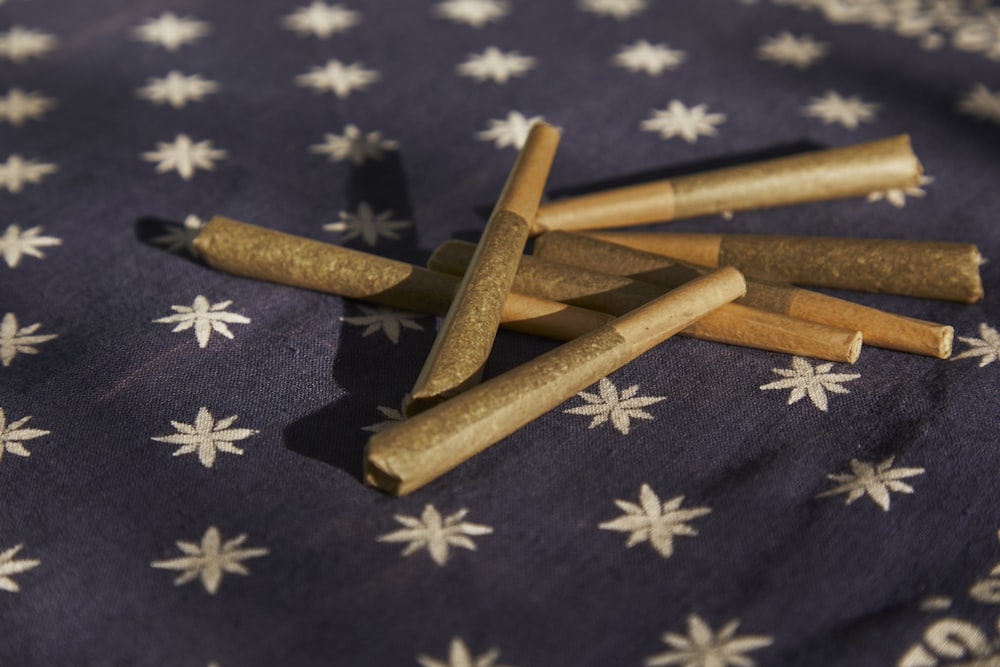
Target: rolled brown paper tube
(465, 338)
(265, 254)
(879, 328)
(733, 323)
(414, 452)
(928, 269)
(848, 171)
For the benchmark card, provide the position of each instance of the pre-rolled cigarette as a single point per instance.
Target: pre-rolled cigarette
(414, 452)
(733, 323)
(847, 171)
(466, 336)
(266, 254)
(879, 328)
(928, 269)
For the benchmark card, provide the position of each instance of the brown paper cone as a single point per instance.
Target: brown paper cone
(465, 338)
(879, 328)
(928, 269)
(733, 323)
(848, 171)
(265, 254)
(410, 454)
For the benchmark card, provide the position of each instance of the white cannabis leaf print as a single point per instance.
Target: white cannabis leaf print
(511, 131)
(337, 78)
(955, 642)
(184, 155)
(988, 590)
(321, 20)
(13, 435)
(897, 196)
(654, 522)
(180, 238)
(177, 89)
(14, 244)
(354, 145)
(206, 437)
(9, 566)
(609, 405)
(702, 647)
(460, 656)
(204, 317)
(211, 559)
(653, 59)
(18, 106)
(15, 339)
(392, 416)
(19, 44)
(834, 108)
(436, 534)
(476, 13)
(16, 172)
(618, 9)
(981, 102)
(787, 49)
(987, 346)
(679, 120)
(496, 65)
(875, 481)
(805, 380)
(380, 318)
(170, 31)
(367, 225)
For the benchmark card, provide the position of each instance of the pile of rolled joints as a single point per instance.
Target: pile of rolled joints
(612, 295)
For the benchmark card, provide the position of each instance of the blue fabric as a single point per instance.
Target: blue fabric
(99, 505)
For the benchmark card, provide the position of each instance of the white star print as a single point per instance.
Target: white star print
(15, 339)
(389, 320)
(9, 566)
(875, 481)
(986, 346)
(981, 102)
(649, 521)
(704, 648)
(354, 145)
(367, 224)
(392, 417)
(435, 534)
(177, 89)
(897, 196)
(13, 435)
(184, 156)
(17, 171)
(210, 560)
(204, 317)
(834, 108)
(619, 9)
(321, 20)
(19, 44)
(206, 437)
(338, 78)
(178, 238)
(18, 106)
(460, 656)
(476, 13)
(170, 31)
(804, 380)
(653, 59)
(679, 120)
(493, 64)
(512, 131)
(14, 244)
(608, 405)
(787, 49)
